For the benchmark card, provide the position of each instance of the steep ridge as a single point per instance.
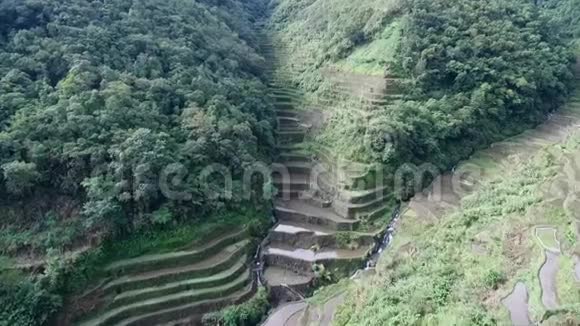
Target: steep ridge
(176, 286)
(323, 202)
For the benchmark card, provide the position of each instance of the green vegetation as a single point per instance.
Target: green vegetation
(375, 56)
(25, 302)
(457, 270)
(89, 268)
(567, 13)
(547, 238)
(110, 111)
(463, 90)
(40, 296)
(325, 293)
(357, 36)
(249, 313)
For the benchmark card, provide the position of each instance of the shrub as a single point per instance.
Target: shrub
(494, 279)
(246, 314)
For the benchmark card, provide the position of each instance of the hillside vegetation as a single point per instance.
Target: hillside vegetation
(99, 98)
(119, 117)
(109, 110)
(352, 36)
(463, 88)
(459, 268)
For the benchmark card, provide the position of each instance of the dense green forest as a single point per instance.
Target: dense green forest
(462, 88)
(481, 72)
(111, 109)
(357, 36)
(99, 98)
(108, 112)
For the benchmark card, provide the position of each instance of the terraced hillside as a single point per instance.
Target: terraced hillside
(329, 216)
(176, 287)
(540, 239)
(506, 220)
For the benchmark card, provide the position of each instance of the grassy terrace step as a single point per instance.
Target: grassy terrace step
(373, 89)
(292, 121)
(298, 167)
(286, 97)
(291, 148)
(219, 262)
(311, 256)
(303, 236)
(170, 288)
(298, 234)
(362, 196)
(299, 182)
(289, 127)
(278, 79)
(160, 303)
(348, 84)
(288, 104)
(350, 210)
(286, 90)
(288, 113)
(296, 133)
(189, 313)
(293, 157)
(284, 106)
(286, 130)
(289, 93)
(277, 276)
(281, 84)
(358, 91)
(300, 211)
(293, 136)
(377, 212)
(173, 259)
(301, 260)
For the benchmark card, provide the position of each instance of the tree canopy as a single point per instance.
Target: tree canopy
(479, 72)
(98, 98)
(473, 73)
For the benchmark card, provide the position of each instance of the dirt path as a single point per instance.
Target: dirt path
(284, 313)
(304, 314)
(330, 308)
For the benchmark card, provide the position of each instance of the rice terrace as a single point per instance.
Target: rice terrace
(289, 162)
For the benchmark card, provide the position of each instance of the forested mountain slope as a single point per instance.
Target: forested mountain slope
(97, 98)
(463, 88)
(505, 254)
(114, 115)
(109, 110)
(475, 74)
